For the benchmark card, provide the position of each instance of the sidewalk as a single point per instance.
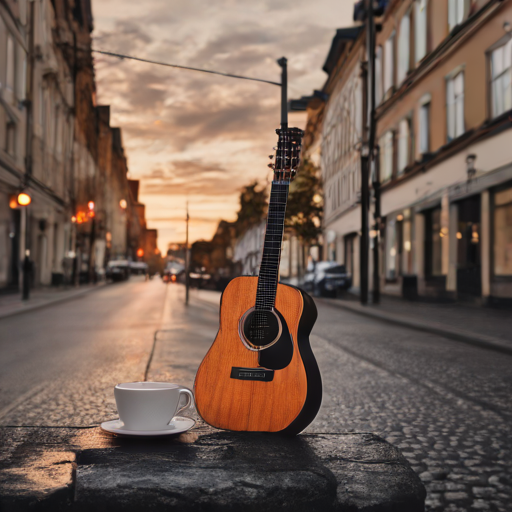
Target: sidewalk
(484, 327)
(12, 304)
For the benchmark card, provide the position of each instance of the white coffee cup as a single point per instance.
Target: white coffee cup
(150, 405)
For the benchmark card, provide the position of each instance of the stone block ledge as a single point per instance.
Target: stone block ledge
(54, 469)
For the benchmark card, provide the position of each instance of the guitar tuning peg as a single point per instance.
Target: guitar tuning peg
(271, 166)
(271, 156)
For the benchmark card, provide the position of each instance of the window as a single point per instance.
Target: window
(404, 45)
(392, 246)
(386, 156)
(378, 75)
(420, 32)
(455, 105)
(404, 144)
(10, 138)
(389, 63)
(456, 12)
(503, 233)
(501, 74)
(424, 127)
(10, 69)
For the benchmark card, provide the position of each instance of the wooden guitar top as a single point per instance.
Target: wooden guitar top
(250, 405)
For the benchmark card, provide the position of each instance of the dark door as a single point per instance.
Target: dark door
(469, 278)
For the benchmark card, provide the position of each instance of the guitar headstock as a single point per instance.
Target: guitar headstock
(287, 154)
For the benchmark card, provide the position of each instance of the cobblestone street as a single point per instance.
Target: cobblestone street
(444, 403)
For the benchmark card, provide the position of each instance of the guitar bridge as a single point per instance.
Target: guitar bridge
(261, 374)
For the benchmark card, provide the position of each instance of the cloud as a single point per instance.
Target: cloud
(191, 133)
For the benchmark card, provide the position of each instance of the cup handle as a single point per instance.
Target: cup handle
(189, 403)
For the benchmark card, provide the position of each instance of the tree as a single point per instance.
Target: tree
(304, 210)
(253, 206)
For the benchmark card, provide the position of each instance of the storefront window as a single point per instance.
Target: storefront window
(406, 243)
(503, 233)
(393, 246)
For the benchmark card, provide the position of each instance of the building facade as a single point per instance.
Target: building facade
(58, 146)
(14, 43)
(443, 116)
(444, 98)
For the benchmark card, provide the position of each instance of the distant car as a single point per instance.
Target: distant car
(172, 271)
(325, 278)
(118, 270)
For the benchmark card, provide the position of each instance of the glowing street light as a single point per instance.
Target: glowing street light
(24, 199)
(123, 204)
(140, 252)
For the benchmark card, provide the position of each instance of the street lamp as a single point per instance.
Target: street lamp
(22, 200)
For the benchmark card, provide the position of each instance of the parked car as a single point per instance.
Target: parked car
(325, 278)
(118, 270)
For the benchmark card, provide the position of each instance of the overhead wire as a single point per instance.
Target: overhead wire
(149, 61)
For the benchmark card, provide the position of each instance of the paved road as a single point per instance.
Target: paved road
(444, 403)
(58, 365)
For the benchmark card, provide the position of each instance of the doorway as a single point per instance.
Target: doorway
(469, 278)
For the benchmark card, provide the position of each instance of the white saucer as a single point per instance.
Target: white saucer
(178, 425)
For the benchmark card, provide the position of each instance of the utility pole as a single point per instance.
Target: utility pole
(367, 150)
(187, 261)
(365, 192)
(25, 218)
(283, 62)
(372, 154)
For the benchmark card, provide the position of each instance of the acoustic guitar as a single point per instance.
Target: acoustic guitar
(260, 374)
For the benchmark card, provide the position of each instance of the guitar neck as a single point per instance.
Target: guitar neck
(269, 268)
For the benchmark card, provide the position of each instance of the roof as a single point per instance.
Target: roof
(340, 40)
(301, 104)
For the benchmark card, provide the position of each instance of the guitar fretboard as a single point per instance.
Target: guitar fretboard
(269, 268)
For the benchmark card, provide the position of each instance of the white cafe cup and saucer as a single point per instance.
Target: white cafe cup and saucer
(150, 409)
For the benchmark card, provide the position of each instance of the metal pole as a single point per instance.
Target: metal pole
(284, 92)
(187, 262)
(26, 266)
(364, 245)
(363, 239)
(376, 227)
(372, 154)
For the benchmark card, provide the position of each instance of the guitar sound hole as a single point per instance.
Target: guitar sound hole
(261, 328)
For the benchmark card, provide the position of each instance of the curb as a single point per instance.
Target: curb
(32, 307)
(482, 341)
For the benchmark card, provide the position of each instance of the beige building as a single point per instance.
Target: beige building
(443, 126)
(444, 99)
(14, 42)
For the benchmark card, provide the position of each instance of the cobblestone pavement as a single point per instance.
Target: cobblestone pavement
(444, 403)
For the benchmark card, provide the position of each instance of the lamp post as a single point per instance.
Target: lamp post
(22, 201)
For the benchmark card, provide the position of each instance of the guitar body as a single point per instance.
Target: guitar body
(248, 388)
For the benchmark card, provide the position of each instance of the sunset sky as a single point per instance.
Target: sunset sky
(202, 137)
